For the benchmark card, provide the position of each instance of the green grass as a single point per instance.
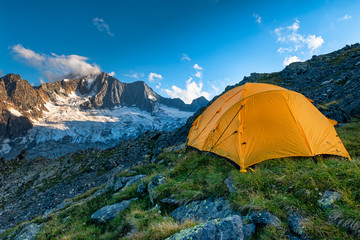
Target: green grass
(326, 106)
(276, 186)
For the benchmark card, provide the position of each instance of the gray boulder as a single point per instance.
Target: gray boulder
(264, 218)
(229, 228)
(110, 182)
(204, 210)
(230, 185)
(328, 199)
(109, 212)
(296, 224)
(157, 181)
(28, 232)
(141, 189)
(170, 201)
(249, 230)
(56, 208)
(178, 147)
(124, 182)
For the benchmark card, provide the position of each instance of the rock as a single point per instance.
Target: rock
(230, 185)
(264, 218)
(141, 189)
(98, 193)
(170, 201)
(124, 182)
(110, 182)
(178, 147)
(56, 208)
(120, 183)
(28, 232)
(249, 230)
(157, 181)
(296, 224)
(204, 210)
(328, 199)
(109, 212)
(229, 228)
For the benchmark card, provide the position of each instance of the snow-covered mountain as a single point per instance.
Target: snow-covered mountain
(96, 111)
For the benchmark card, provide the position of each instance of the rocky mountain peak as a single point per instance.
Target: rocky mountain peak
(81, 112)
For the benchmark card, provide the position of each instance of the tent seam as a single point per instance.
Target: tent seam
(299, 125)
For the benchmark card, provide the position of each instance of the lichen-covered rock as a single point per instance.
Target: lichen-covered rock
(141, 189)
(229, 228)
(157, 181)
(170, 201)
(56, 208)
(28, 232)
(328, 199)
(124, 182)
(109, 212)
(230, 185)
(264, 218)
(296, 224)
(204, 210)
(248, 231)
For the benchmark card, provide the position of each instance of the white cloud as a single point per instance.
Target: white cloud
(41, 80)
(257, 18)
(198, 74)
(216, 89)
(292, 41)
(295, 26)
(134, 75)
(1, 73)
(314, 42)
(282, 50)
(197, 67)
(28, 54)
(185, 57)
(101, 25)
(345, 18)
(56, 67)
(111, 74)
(152, 76)
(193, 90)
(291, 59)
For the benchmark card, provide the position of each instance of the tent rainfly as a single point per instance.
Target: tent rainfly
(256, 122)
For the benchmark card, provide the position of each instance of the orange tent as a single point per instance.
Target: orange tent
(255, 122)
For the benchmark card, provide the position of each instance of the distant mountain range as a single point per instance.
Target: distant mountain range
(95, 111)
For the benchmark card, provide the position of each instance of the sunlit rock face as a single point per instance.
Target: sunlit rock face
(95, 111)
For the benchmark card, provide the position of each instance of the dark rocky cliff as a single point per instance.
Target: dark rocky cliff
(331, 80)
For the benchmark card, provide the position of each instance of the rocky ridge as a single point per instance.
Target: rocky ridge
(331, 80)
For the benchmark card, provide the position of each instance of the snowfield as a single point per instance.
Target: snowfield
(65, 123)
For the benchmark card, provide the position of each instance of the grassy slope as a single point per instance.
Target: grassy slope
(275, 186)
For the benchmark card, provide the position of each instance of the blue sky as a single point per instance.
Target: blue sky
(181, 48)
